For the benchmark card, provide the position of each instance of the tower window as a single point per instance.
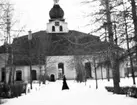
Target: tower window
(53, 28)
(61, 29)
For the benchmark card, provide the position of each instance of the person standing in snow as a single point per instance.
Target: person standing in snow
(65, 86)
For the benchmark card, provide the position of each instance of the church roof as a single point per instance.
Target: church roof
(53, 44)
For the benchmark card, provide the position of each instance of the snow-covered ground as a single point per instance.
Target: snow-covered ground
(78, 94)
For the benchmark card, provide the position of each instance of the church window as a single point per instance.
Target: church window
(61, 70)
(34, 75)
(3, 74)
(19, 75)
(88, 70)
(61, 28)
(53, 28)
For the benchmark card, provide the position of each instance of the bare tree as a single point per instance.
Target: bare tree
(134, 16)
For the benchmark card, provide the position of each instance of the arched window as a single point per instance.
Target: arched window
(61, 70)
(61, 28)
(61, 66)
(19, 75)
(53, 28)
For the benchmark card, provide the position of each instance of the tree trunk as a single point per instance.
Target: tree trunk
(30, 75)
(101, 73)
(134, 16)
(128, 49)
(112, 54)
(108, 74)
(80, 69)
(115, 72)
(96, 78)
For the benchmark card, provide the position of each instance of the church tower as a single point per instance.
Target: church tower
(56, 23)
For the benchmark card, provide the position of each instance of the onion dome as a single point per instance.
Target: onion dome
(56, 12)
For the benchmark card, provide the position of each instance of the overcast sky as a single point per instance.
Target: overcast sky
(34, 14)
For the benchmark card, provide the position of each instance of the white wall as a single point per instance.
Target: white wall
(26, 71)
(52, 67)
(104, 70)
(63, 24)
(69, 70)
(122, 69)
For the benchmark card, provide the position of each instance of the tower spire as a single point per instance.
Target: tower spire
(56, 1)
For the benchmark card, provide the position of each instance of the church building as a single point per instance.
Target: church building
(53, 51)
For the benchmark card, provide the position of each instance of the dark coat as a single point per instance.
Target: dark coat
(65, 86)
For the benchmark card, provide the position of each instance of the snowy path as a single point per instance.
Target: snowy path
(79, 94)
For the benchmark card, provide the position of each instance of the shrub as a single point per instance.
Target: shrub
(12, 90)
(132, 92)
(128, 91)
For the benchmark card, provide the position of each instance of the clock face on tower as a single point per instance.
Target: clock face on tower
(56, 23)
